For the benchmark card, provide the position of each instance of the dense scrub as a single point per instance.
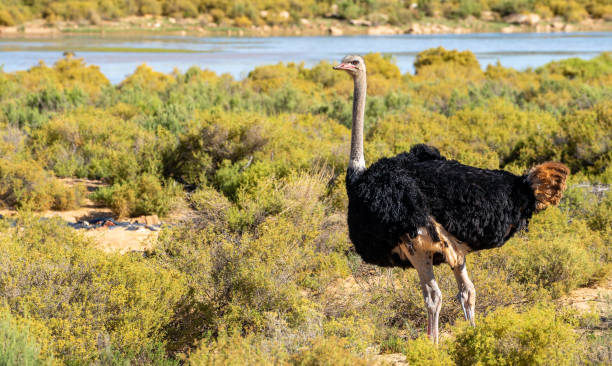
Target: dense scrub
(281, 12)
(264, 273)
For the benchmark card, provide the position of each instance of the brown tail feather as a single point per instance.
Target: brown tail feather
(548, 183)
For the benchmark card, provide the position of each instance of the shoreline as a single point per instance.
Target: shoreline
(148, 25)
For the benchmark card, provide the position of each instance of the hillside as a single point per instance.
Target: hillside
(312, 17)
(261, 271)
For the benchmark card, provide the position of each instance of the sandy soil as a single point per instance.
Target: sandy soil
(597, 298)
(116, 239)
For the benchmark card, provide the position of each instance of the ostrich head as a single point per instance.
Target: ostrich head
(352, 64)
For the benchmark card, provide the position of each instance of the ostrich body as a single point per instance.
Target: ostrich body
(419, 209)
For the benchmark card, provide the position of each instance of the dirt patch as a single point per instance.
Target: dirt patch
(597, 298)
(122, 240)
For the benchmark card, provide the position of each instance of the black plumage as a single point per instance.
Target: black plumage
(398, 196)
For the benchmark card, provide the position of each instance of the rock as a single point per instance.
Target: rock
(523, 19)
(510, 29)
(334, 31)
(393, 359)
(438, 28)
(152, 220)
(568, 28)
(470, 19)
(284, 14)
(557, 25)
(415, 28)
(488, 16)
(171, 20)
(543, 28)
(305, 22)
(382, 30)
(263, 14)
(360, 22)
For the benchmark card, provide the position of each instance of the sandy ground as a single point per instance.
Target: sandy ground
(597, 298)
(116, 239)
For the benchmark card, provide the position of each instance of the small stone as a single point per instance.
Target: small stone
(360, 22)
(557, 25)
(523, 19)
(415, 28)
(334, 31)
(152, 220)
(382, 30)
(487, 15)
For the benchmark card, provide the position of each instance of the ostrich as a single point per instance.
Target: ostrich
(419, 209)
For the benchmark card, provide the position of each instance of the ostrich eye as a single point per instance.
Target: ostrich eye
(355, 62)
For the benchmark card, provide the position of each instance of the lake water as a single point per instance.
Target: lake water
(119, 56)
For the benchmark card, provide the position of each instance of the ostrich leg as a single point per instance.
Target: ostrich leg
(423, 263)
(467, 292)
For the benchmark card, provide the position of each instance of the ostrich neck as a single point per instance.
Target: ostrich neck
(357, 162)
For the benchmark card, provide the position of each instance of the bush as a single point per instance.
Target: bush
(145, 195)
(17, 346)
(79, 299)
(422, 352)
(505, 337)
(6, 19)
(25, 184)
(440, 56)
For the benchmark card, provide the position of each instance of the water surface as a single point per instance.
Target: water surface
(119, 56)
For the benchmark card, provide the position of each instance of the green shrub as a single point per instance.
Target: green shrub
(572, 68)
(505, 337)
(253, 282)
(17, 346)
(79, 299)
(558, 256)
(422, 352)
(25, 184)
(145, 195)
(6, 19)
(440, 56)
(327, 352)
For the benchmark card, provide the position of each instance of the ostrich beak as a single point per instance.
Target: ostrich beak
(344, 67)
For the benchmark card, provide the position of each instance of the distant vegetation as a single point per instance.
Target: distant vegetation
(263, 274)
(244, 13)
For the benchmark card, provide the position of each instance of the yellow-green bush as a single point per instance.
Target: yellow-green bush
(80, 299)
(144, 195)
(144, 77)
(505, 337)
(25, 184)
(422, 352)
(557, 256)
